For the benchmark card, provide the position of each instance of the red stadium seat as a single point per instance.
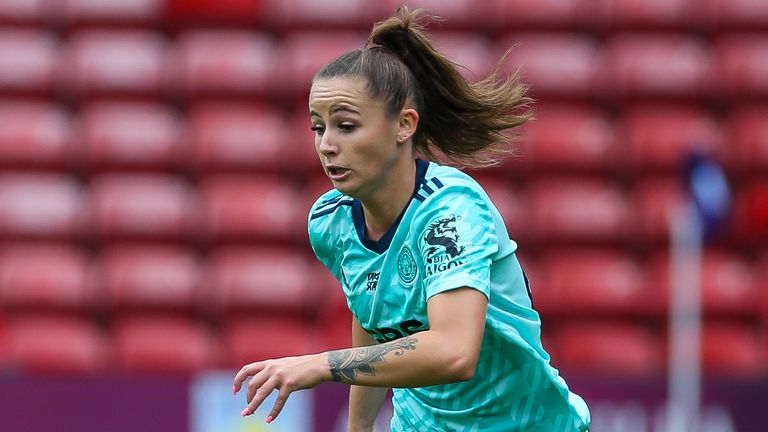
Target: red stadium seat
(464, 14)
(251, 208)
(335, 14)
(242, 137)
(163, 345)
(335, 316)
(113, 63)
(142, 207)
(624, 15)
(569, 139)
(554, 64)
(741, 66)
(313, 188)
(112, 13)
(727, 283)
(470, 50)
(35, 135)
(654, 198)
(747, 132)
(731, 349)
(4, 355)
(302, 54)
(26, 12)
(302, 140)
(573, 210)
(750, 213)
(592, 282)
(223, 63)
(40, 206)
(649, 65)
(54, 344)
(130, 135)
(608, 348)
(541, 14)
(660, 137)
(195, 13)
(728, 15)
(145, 277)
(46, 277)
(258, 280)
(28, 60)
(258, 338)
(761, 288)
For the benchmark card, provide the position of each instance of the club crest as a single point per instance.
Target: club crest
(406, 266)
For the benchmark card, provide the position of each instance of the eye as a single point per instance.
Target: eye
(346, 127)
(317, 129)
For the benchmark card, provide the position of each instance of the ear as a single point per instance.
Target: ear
(406, 127)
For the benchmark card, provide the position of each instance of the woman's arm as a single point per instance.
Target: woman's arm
(364, 402)
(445, 353)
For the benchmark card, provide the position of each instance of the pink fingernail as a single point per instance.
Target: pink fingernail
(234, 390)
(269, 419)
(244, 413)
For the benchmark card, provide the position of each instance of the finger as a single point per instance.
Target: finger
(243, 373)
(255, 384)
(259, 397)
(280, 401)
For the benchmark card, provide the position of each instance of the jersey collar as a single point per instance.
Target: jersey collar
(381, 245)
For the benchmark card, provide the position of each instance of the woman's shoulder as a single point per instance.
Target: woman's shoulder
(327, 205)
(445, 181)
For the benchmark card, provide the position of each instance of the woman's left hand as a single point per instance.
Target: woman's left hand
(286, 374)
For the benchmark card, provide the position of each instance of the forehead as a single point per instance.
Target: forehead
(331, 92)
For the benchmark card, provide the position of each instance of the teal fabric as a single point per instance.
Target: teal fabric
(449, 236)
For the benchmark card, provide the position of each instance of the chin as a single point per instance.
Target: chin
(345, 188)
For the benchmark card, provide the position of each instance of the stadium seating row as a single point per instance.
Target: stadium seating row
(611, 348)
(218, 63)
(231, 280)
(251, 137)
(229, 208)
(482, 16)
(177, 345)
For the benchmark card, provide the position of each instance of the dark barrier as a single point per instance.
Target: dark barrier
(94, 404)
(149, 404)
(619, 405)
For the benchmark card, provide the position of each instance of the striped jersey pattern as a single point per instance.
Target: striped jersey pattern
(450, 235)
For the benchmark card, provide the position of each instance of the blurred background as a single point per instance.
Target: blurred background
(157, 167)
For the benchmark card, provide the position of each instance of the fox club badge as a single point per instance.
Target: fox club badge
(406, 267)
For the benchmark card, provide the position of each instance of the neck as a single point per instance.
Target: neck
(382, 208)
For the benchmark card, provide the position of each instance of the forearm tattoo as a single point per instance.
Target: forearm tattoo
(346, 364)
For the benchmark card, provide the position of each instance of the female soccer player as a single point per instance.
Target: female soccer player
(442, 309)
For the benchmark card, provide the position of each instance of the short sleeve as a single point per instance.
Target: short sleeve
(320, 238)
(456, 241)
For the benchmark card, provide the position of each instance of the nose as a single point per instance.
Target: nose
(327, 147)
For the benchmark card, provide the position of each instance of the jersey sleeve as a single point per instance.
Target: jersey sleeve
(456, 240)
(320, 237)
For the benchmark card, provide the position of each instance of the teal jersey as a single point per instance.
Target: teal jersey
(449, 236)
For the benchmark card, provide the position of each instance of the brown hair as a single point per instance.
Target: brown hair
(470, 124)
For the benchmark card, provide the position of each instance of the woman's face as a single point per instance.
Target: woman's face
(354, 137)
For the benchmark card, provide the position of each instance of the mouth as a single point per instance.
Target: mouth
(338, 173)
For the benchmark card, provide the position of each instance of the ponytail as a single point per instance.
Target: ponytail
(469, 124)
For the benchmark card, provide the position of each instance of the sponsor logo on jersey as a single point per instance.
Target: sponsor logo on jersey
(444, 250)
(406, 266)
(372, 281)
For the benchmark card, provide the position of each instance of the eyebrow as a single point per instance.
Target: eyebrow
(334, 110)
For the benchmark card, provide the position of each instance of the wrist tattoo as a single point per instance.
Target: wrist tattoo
(346, 364)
